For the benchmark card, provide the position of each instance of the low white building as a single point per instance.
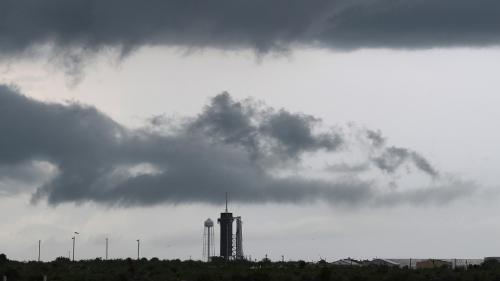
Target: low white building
(347, 262)
(384, 262)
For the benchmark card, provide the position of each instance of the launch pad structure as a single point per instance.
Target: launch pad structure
(231, 245)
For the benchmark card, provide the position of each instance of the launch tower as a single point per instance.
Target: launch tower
(226, 234)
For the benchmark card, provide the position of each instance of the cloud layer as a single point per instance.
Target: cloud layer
(263, 25)
(71, 33)
(241, 147)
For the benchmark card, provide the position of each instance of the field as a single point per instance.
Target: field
(163, 270)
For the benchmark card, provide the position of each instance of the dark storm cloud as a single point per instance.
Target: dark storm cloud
(294, 133)
(229, 121)
(263, 130)
(96, 159)
(263, 25)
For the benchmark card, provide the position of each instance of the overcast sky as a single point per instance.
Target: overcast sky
(339, 128)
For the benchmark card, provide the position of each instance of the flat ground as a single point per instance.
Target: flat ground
(156, 270)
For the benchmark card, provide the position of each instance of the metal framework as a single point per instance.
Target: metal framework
(239, 239)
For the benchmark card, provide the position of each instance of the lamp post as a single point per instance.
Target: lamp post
(107, 240)
(138, 248)
(39, 249)
(73, 252)
(74, 239)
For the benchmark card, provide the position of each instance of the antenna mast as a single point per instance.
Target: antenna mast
(226, 202)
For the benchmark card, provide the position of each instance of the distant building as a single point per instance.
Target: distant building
(492, 259)
(384, 262)
(347, 262)
(433, 263)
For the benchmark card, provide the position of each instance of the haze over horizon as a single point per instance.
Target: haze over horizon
(343, 128)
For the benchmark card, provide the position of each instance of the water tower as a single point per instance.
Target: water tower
(208, 240)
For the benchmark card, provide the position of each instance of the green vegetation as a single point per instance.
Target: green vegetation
(155, 270)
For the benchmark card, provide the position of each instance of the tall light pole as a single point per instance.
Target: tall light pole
(138, 248)
(107, 240)
(39, 247)
(74, 239)
(73, 252)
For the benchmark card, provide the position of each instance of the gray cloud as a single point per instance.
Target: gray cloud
(264, 131)
(294, 133)
(348, 168)
(376, 138)
(263, 25)
(229, 121)
(393, 158)
(439, 195)
(23, 177)
(99, 160)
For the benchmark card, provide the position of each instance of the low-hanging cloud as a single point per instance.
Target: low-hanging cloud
(231, 146)
(262, 25)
